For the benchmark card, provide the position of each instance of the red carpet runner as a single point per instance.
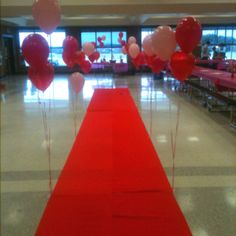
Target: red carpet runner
(113, 183)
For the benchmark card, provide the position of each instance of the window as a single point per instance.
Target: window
(145, 32)
(55, 41)
(223, 38)
(112, 50)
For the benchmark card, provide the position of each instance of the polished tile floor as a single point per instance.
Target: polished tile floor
(204, 179)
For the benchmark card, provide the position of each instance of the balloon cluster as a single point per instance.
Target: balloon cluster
(35, 51)
(73, 56)
(101, 41)
(159, 48)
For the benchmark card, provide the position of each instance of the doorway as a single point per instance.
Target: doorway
(8, 55)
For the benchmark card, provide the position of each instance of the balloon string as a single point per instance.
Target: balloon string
(151, 111)
(74, 113)
(48, 143)
(174, 139)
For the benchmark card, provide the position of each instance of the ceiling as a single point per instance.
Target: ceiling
(124, 12)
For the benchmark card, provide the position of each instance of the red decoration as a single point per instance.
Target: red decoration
(70, 45)
(42, 76)
(121, 35)
(69, 59)
(139, 60)
(86, 66)
(35, 50)
(181, 65)
(94, 57)
(157, 65)
(188, 34)
(79, 57)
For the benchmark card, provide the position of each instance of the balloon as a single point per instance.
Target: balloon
(69, 59)
(134, 50)
(77, 81)
(99, 39)
(147, 45)
(94, 44)
(70, 44)
(158, 65)
(85, 66)
(88, 48)
(47, 14)
(163, 42)
(79, 57)
(103, 37)
(35, 50)
(94, 57)
(121, 35)
(139, 60)
(188, 34)
(123, 42)
(150, 60)
(42, 76)
(181, 65)
(102, 45)
(132, 40)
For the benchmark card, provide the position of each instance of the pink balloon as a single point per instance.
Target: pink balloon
(88, 48)
(134, 50)
(132, 40)
(103, 37)
(147, 45)
(77, 81)
(163, 42)
(47, 14)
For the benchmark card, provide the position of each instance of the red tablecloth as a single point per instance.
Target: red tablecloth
(113, 183)
(222, 78)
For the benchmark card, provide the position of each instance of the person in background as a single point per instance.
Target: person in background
(205, 51)
(215, 53)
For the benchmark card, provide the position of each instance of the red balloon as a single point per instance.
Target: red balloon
(123, 42)
(94, 57)
(69, 59)
(70, 44)
(149, 60)
(35, 50)
(86, 66)
(188, 34)
(139, 60)
(76, 81)
(181, 65)
(47, 14)
(79, 57)
(121, 35)
(94, 44)
(157, 65)
(42, 76)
